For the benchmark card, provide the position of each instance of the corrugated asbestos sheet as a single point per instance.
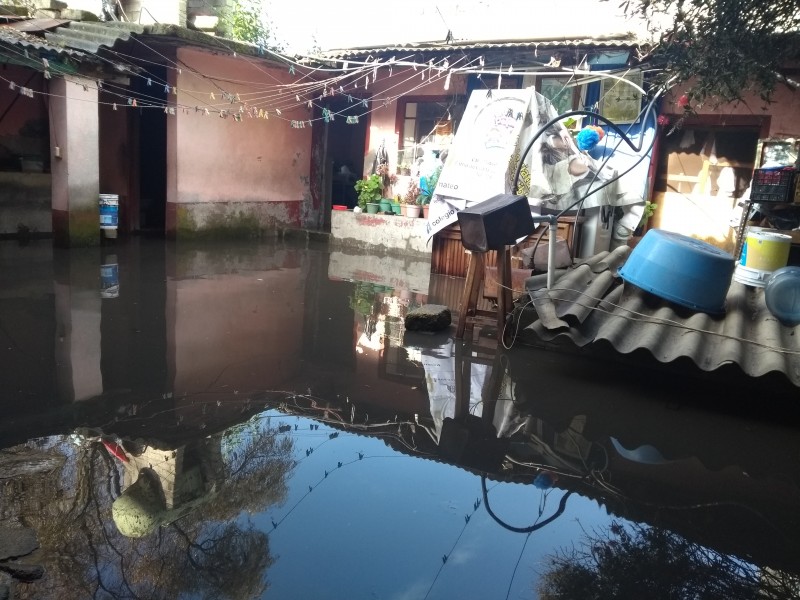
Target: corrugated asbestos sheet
(89, 37)
(16, 35)
(591, 302)
(598, 42)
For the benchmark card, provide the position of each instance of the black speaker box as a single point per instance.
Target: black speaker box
(495, 223)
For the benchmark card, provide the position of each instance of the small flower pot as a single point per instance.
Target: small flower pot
(397, 208)
(412, 210)
(373, 208)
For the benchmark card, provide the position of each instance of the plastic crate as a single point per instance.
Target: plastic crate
(773, 185)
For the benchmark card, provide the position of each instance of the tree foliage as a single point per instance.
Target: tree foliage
(246, 21)
(724, 47)
(647, 562)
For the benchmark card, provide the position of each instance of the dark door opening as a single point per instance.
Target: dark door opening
(343, 154)
(152, 151)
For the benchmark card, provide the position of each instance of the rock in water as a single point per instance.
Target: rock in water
(429, 317)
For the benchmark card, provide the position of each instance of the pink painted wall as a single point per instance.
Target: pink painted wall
(219, 160)
(74, 128)
(783, 111)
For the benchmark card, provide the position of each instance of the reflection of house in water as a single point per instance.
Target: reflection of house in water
(161, 485)
(626, 444)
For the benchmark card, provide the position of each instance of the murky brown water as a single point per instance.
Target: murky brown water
(247, 421)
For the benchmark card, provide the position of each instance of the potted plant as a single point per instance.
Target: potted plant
(370, 191)
(410, 206)
(426, 188)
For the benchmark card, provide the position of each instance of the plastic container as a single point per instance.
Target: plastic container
(109, 211)
(782, 295)
(772, 185)
(339, 207)
(680, 269)
(754, 277)
(765, 250)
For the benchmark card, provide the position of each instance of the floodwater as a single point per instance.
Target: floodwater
(253, 421)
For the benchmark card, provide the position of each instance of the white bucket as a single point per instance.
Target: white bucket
(754, 277)
(109, 211)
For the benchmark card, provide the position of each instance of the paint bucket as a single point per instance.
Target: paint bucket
(109, 278)
(109, 211)
(765, 250)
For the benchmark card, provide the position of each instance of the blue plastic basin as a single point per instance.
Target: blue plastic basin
(680, 269)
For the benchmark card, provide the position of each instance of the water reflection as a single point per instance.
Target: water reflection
(235, 414)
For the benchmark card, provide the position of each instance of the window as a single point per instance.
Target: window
(559, 93)
(428, 122)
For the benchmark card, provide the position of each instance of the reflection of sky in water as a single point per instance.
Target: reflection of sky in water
(379, 526)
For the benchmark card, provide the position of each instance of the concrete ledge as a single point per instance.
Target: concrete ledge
(385, 233)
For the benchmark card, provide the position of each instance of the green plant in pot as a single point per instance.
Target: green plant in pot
(427, 185)
(370, 190)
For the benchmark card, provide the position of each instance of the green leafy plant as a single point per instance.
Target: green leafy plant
(370, 189)
(246, 21)
(649, 211)
(428, 186)
(363, 298)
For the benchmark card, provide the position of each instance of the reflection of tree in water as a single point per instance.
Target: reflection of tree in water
(645, 562)
(202, 548)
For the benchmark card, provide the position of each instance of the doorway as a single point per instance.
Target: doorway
(344, 146)
(152, 152)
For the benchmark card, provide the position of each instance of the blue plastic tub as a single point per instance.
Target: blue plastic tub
(680, 269)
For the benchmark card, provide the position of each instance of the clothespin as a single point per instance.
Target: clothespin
(114, 106)
(134, 102)
(47, 74)
(213, 97)
(297, 97)
(149, 81)
(238, 99)
(166, 88)
(45, 63)
(175, 90)
(11, 85)
(447, 81)
(291, 69)
(278, 111)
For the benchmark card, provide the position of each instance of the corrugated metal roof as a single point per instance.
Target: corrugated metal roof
(89, 37)
(590, 303)
(11, 34)
(617, 41)
(32, 25)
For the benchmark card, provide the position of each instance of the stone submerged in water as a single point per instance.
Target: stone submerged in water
(429, 317)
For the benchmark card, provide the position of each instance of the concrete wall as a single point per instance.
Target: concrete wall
(24, 134)
(25, 203)
(246, 176)
(394, 234)
(74, 130)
